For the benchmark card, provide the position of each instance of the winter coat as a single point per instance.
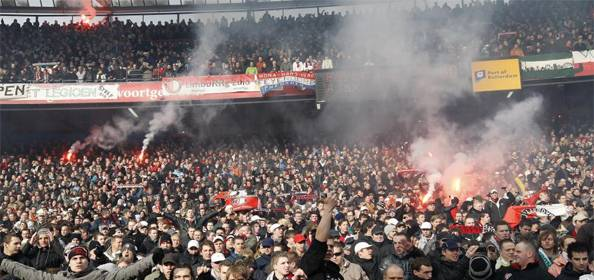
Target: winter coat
(446, 270)
(402, 261)
(532, 272)
(26, 272)
(43, 258)
(569, 274)
(352, 271)
(314, 265)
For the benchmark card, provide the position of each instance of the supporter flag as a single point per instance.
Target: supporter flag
(515, 214)
(547, 66)
(583, 63)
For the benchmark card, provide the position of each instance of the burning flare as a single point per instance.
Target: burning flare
(141, 155)
(457, 184)
(426, 197)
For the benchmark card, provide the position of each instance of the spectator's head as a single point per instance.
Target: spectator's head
(78, 259)
(394, 272)
(507, 248)
(426, 229)
(43, 237)
(577, 253)
(206, 250)
(364, 250)
(337, 256)
(280, 265)
(580, 219)
(421, 268)
(266, 246)
(193, 247)
(165, 242)
(183, 272)
(238, 245)
(224, 268)
(502, 230)
(116, 243)
(238, 272)
(548, 240)
(168, 264)
(11, 244)
(450, 250)
(525, 253)
(402, 244)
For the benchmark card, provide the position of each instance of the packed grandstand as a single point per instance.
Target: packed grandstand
(342, 191)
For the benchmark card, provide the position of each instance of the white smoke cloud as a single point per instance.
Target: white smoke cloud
(108, 135)
(480, 149)
(169, 115)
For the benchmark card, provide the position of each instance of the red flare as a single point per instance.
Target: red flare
(426, 197)
(69, 155)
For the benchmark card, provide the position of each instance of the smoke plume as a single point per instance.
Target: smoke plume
(170, 114)
(108, 135)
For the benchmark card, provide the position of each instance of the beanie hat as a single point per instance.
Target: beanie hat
(78, 251)
(480, 268)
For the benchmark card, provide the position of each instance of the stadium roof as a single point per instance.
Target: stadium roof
(131, 7)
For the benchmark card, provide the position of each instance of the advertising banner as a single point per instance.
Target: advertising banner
(169, 89)
(583, 63)
(547, 66)
(279, 81)
(496, 75)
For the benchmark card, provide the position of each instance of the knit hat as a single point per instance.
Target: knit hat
(480, 268)
(78, 251)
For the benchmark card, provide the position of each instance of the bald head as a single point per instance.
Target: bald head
(394, 272)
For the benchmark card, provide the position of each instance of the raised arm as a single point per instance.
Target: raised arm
(22, 271)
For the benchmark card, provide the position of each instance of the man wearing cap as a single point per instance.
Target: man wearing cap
(427, 240)
(165, 268)
(265, 254)
(299, 240)
(450, 266)
(216, 263)
(348, 270)
(276, 232)
(495, 206)
(79, 268)
(365, 257)
(580, 219)
(192, 255)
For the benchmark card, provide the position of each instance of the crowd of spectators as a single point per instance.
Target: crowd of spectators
(359, 215)
(116, 50)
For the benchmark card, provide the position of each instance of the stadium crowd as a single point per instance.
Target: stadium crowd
(116, 50)
(350, 212)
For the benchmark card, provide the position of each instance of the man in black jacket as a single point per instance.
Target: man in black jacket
(525, 265)
(404, 252)
(450, 266)
(315, 263)
(578, 262)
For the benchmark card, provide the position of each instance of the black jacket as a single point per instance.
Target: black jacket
(314, 265)
(446, 270)
(569, 274)
(402, 261)
(532, 272)
(43, 258)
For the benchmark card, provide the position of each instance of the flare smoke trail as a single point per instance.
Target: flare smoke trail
(169, 115)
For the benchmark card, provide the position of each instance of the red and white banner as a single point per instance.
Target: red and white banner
(583, 63)
(222, 87)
